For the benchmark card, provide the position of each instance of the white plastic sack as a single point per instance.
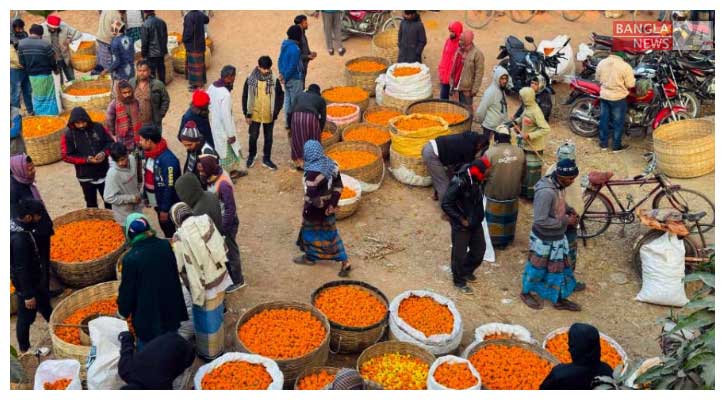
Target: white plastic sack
(517, 331)
(436, 344)
(584, 52)
(409, 177)
(105, 352)
(371, 187)
(379, 89)
(566, 68)
(434, 385)
(663, 268)
(269, 365)
(186, 328)
(353, 184)
(489, 255)
(412, 87)
(85, 37)
(53, 370)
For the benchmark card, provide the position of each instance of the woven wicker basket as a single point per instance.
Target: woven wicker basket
(66, 307)
(415, 165)
(169, 66)
(314, 370)
(345, 210)
(344, 339)
(363, 104)
(439, 106)
(371, 173)
(83, 62)
(385, 45)
(384, 148)
(685, 149)
(511, 342)
(119, 265)
(375, 109)
(43, 149)
(400, 104)
(175, 38)
(331, 127)
(100, 101)
(87, 273)
(394, 346)
(342, 122)
(178, 61)
(90, 50)
(365, 80)
(565, 329)
(291, 368)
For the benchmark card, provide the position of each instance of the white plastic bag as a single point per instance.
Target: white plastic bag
(434, 385)
(436, 344)
(379, 89)
(489, 255)
(566, 68)
(663, 268)
(584, 52)
(269, 365)
(409, 177)
(102, 364)
(53, 370)
(412, 87)
(354, 184)
(518, 332)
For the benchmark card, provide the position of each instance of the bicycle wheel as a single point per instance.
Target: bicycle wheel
(392, 22)
(478, 19)
(690, 251)
(310, 13)
(597, 217)
(521, 16)
(688, 201)
(572, 15)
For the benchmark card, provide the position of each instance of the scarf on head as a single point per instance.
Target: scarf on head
(160, 148)
(179, 213)
(461, 53)
(257, 76)
(19, 169)
(210, 165)
(317, 161)
(137, 237)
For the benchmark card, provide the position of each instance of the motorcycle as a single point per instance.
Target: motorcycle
(685, 97)
(524, 65)
(697, 75)
(645, 111)
(367, 22)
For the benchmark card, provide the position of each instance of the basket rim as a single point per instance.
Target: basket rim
(431, 357)
(356, 125)
(609, 339)
(373, 149)
(382, 60)
(541, 352)
(96, 260)
(418, 102)
(315, 369)
(362, 284)
(47, 135)
(322, 94)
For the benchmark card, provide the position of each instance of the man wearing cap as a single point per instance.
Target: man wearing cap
(548, 272)
(153, 99)
(198, 112)
(616, 77)
(463, 203)
(195, 146)
(60, 35)
(161, 170)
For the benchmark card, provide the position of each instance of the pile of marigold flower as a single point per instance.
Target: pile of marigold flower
(559, 347)
(495, 336)
(282, 333)
(351, 159)
(96, 115)
(237, 375)
(381, 117)
(405, 71)
(368, 134)
(42, 125)
(366, 66)
(426, 315)
(395, 371)
(347, 193)
(326, 135)
(351, 305)
(345, 94)
(74, 91)
(455, 375)
(339, 111)
(72, 335)
(86, 44)
(450, 117)
(315, 381)
(503, 367)
(416, 123)
(60, 384)
(85, 240)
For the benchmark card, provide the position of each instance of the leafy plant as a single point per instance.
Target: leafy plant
(619, 380)
(17, 372)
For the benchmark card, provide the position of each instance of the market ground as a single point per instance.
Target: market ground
(396, 220)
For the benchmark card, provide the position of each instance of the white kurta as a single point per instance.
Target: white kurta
(221, 120)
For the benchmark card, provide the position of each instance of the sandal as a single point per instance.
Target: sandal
(530, 301)
(303, 260)
(567, 305)
(344, 271)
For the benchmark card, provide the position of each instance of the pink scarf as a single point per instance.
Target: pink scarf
(19, 169)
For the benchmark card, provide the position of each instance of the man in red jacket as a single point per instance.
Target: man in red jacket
(449, 50)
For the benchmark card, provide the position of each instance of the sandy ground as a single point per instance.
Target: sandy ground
(402, 217)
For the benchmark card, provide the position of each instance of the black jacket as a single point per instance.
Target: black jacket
(193, 36)
(77, 145)
(456, 150)
(305, 51)
(202, 124)
(463, 199)
(160, 100)
(36, 56)
(586, 362)
(411, 41)
(154, 37)
(18, 192)
(157, 365)
(278, 99)
(311, 103)
(27, 272)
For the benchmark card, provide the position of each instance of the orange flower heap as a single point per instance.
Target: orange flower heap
(85, 45)
(369, 134)
(237, 375)
(455, 376)
(345, 94)
(405, 71)
(85, 240)
(351, 159)
(338, 111)
(451, 118)
(366, 66)
(73, 91)
(426, 315)
(347, 193)
(72, 335)
(559, 347)
(381, 117)
(60, 384)
(282, 333)
(495, 336)
(395, 371)
(12, 289)
(39, 126)
(415, 123)
(351, 306)
(326, 135)
(96, 115)
(510, 367)
(316, 381)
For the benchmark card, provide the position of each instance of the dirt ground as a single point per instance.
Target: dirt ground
(399, 216)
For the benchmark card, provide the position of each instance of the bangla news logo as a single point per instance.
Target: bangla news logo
(640, 36)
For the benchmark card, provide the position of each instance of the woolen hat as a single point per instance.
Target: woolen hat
(53, 21)
(567, 167)
(200, 99)
(190, 132)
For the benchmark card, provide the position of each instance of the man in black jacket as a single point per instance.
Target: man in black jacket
(86, 145)
(463, 204)
(449, 153)
(154, 39)
(411, 38)
(195, 46)
(153, 99)
(157, 365)
(305, 53)
(28, 273)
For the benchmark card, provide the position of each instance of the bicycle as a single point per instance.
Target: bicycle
(599, 212)
(524, 16)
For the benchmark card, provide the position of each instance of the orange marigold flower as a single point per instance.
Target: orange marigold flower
(60, 384)
(351, 305)
(559, 347)
(426, 315)
(351, 159)
(504, 367)
(282, 333)
(345, 94)
(455, 375)
(316, 381)
(237, 375)
(42, 125)
(85, 240)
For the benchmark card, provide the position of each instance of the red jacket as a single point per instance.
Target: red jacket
(449, 50)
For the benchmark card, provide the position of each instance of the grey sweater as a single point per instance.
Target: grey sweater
(550, 208)
(493, 110)
(122, 186)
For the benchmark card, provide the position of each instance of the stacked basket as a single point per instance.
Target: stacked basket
(443, 106)
(385, 45)
(332, 128)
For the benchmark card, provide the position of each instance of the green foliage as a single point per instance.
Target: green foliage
(17, 372)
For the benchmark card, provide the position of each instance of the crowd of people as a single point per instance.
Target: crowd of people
(127, 161)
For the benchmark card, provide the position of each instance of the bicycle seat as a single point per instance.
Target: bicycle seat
(694, 217)
(599, 178)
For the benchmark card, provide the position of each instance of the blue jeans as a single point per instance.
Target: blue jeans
(445, 91)
(291, 89)
(20, 83)
(612, 113)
